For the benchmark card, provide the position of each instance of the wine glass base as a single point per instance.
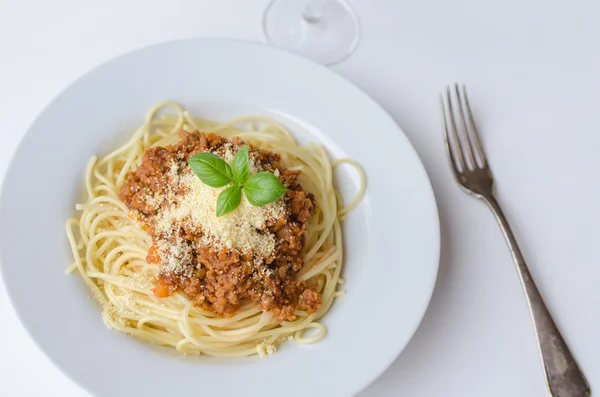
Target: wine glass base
(328, 39)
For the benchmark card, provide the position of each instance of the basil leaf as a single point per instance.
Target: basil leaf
(211, 169)
(263, 188)
(239, 166)
(229, 200)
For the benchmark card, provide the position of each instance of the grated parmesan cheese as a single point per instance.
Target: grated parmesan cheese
(176, 256)
(265, 349)
(243, 230)
(228, 152)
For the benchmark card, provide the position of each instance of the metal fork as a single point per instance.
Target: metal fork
(471, 169)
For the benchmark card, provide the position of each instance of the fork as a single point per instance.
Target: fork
(470, 167)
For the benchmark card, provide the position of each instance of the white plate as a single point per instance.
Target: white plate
(391, 239)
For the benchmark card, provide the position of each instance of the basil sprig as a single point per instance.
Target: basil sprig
(239, 166)
(263, 188)
(211, 169)
(228, 200)
(260, 189)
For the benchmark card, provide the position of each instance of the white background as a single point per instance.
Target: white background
(533, 69)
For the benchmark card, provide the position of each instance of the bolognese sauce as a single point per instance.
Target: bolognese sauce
(220, 264)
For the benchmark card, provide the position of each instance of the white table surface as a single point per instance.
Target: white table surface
(533, 69)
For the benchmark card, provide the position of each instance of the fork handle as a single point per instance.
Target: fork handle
(563, 375)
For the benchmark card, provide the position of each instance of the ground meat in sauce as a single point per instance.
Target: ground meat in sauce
(220, 280)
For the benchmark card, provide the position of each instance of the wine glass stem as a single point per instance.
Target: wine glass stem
(313, 13)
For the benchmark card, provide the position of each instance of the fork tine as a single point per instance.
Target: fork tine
(473, 129)
(454, 131)
(466, 139)
(451, 154)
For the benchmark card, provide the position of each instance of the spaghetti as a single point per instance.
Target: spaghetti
(110, 248)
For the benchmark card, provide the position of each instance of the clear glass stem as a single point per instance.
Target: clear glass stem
(314, 10)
